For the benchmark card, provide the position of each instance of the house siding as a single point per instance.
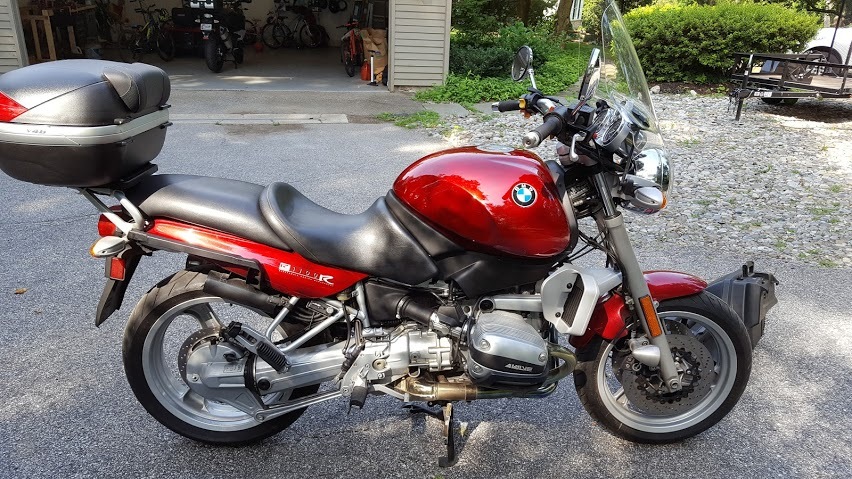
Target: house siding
(12, 49)
(420, 42)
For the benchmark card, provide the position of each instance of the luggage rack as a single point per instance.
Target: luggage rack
(774, 77)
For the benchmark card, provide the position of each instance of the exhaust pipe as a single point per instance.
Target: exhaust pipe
(420, 389)
(238, 292)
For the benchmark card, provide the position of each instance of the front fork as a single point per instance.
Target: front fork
(637, 287)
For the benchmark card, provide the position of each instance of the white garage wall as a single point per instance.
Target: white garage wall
(420, 42)
(12, 49)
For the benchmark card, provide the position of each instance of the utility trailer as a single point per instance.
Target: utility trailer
(785, 77)
(776, 78)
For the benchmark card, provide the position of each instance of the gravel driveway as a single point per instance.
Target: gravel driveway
(778, 183)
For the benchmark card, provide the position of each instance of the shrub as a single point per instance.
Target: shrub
(696, 43)
(553, 76)
(490, 55)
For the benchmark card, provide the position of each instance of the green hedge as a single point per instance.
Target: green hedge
(491, 55)
(696, 43)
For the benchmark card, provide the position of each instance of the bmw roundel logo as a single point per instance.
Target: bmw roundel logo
(524, 194)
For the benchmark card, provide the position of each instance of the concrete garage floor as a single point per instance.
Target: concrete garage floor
(285, 69)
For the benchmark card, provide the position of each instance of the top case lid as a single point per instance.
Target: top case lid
(85, 92)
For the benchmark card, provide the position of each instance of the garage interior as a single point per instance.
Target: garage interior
(92, 29)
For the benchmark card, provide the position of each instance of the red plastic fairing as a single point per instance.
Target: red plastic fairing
(288, 272)
(609, 317)
(492, 201)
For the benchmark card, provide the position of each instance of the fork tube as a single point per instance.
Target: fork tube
(630, 269)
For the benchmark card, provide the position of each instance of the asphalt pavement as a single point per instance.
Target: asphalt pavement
(67, 411)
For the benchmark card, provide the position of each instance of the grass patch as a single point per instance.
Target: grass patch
(556, 75)
(835, 188)
(421, 119)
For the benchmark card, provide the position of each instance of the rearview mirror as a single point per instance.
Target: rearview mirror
(523, 62)
(591, 77)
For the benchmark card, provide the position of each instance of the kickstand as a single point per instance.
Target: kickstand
(446, 416)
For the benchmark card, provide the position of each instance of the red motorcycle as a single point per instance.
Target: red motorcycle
(455, 286)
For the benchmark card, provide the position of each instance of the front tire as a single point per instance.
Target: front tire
(164, 318)
(213, 55)
(722, 337)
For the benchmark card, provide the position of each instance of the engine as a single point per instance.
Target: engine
(504, 349)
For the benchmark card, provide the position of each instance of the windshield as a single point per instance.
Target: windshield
(622, 81)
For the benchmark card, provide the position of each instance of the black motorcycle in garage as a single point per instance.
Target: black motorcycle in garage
(223, 33)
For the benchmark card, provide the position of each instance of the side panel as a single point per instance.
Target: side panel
(288, 272)
(610, 317)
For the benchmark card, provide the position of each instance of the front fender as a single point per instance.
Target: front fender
(610, 317)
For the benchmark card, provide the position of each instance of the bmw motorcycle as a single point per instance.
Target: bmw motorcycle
(461, 284)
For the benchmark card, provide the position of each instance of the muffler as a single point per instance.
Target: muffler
(422, 389)
(238, 292)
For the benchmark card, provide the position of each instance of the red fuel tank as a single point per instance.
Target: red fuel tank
(489, 199)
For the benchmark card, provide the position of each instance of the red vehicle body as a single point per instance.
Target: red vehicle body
(480, 213)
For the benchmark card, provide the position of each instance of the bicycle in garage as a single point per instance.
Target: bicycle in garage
(153, 36)
(351, 48)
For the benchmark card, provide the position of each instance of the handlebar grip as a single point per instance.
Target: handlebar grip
(506, 105)
(552, 126)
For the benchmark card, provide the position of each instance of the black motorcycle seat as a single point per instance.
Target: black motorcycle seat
(372, 242)
(229, 206)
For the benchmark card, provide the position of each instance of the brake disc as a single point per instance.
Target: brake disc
(646, 390)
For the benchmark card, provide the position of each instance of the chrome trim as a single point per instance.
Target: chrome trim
(51, 135)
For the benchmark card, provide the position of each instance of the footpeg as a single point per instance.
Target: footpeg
(358, 397)
(258, 344)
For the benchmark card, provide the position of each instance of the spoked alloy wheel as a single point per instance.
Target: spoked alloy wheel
(274, 35)
(310, 35)
(713, 355)
(154, 343)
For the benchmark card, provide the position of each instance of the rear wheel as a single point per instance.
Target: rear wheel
(156, 336)
(830, 57)
(712, 351)
(348, 61)
(310, 35)
(165, 45)
(273, 35)
(213, 55)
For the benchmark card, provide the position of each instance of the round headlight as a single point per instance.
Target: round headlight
(653, 164)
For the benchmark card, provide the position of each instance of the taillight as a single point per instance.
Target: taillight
(9, 108)
(107, 227)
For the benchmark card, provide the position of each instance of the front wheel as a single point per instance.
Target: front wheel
(160, 327)
(213, 55)
(712, 354)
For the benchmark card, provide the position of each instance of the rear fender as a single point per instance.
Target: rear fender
(114, 289)
(610, 317)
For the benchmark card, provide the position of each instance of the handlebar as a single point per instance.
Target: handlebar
(552, 126)
(506, 105)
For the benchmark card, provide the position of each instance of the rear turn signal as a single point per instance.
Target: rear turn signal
(9, 108)
(654, 326)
